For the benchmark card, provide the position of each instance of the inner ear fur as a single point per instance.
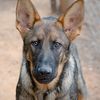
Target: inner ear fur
(26, 16)
(72, 19)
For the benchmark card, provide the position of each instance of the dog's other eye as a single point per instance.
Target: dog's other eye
(35, 43)
(56, 45)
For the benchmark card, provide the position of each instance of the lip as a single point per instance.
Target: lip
(44, 80)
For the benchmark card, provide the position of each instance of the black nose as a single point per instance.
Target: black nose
(44, 71)
(43, 74)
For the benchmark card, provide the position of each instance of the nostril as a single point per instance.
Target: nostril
(43, 71)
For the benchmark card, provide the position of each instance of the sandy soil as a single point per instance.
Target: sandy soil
(11, 47)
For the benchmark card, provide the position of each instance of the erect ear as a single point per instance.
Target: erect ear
(26, 16)
(72, 19)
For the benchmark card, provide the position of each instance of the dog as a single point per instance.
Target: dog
(50, 68)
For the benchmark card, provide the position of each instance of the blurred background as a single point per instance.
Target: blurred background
(88, 44)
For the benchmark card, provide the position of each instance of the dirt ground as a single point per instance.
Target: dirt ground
(88, 44)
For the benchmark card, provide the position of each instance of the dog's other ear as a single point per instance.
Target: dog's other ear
(72, 19)
(26, 16)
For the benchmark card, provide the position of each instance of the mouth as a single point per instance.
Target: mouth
(44, 79)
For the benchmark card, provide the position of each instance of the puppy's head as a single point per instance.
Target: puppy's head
(46, 40)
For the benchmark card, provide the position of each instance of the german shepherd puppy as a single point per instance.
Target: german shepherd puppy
(50, 68)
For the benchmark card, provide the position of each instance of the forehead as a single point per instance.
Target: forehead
(48, 28)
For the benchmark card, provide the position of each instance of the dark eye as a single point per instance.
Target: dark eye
(57, 45)
(35, 43)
